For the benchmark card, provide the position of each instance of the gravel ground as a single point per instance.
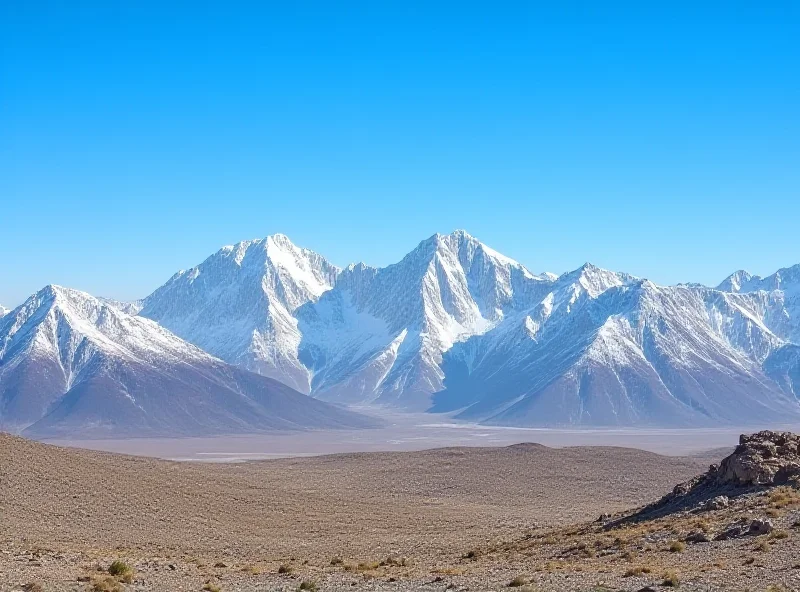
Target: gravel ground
(457, 518)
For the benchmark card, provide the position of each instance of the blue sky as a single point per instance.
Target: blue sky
(135, 140)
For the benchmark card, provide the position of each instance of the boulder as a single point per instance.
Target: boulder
(761, 526)
(697, 536)
(715, 503)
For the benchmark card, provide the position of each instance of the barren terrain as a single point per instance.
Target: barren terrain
(463, 518)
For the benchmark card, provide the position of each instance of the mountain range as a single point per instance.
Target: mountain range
(457, 327)
(74, 366)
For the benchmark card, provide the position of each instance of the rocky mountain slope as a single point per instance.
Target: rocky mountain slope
(72, 365)
(239, 305)
(457, 327)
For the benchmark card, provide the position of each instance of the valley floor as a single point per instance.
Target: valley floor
(411, 432)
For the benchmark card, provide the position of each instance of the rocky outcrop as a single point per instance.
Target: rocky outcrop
(764, 458)
(761, 460)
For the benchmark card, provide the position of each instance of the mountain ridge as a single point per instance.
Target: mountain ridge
(72, 365)
(458, 327)
(412, 333)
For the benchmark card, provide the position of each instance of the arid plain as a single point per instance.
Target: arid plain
(452, 518)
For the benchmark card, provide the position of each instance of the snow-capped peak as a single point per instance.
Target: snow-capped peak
(4, 311)
(63, 320)
(736, 281)
(786, 279)
(239, 304)
(595, 280)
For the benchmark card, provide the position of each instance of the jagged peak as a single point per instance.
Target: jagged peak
(457, 241)
(743, 281)
(594, 280)
(735, 281)
(360, 266)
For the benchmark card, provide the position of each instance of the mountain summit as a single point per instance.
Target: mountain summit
(239, 305)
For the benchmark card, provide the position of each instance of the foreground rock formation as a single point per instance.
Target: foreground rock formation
(761, 460)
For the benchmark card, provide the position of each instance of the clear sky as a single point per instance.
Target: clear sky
(135, 140)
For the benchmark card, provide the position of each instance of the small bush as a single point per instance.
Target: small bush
(518, 582)
(210, 587)
(368, 565)
(637, 571)
(677, 547)
(308, 585)
(779, 534)
(336, 561)
(763, 546)
(122, 571)
(671, 580)
(106, 584)
(285, 569)
(395, 562)
(33, 587)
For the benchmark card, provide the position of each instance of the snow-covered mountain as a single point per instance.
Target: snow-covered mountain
(4, 311)
(631, 354)
(239, 305)
(778, 296)
(456, 326)
(379, 334)
(131, 308)
(72, 365)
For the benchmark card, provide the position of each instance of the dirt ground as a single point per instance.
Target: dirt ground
(454, 518)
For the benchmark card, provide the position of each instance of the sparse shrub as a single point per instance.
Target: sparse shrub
(106, 584)
(33, 587)
(703, 526)
(677, 547)
(395, 561)
(637, 571)
(470, 554)
(308, 585)
(763, 546)
(779, 534)
(122, 571)
(368, 565)
(285, 569)
(337, 561)
(518, 582)
(671, 580)
(211, 587)
(220, 565)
